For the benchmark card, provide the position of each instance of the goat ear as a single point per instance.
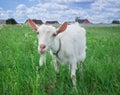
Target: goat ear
(62, 28)
(32, 25)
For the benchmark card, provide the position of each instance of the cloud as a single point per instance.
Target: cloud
(104, 10)
(63, 1)
(21, 7)
(54, 11)
(52, 6)
(98, 11)
(3, 14)
(66, 1)
(46, 11)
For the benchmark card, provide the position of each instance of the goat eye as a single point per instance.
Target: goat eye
(54, 34)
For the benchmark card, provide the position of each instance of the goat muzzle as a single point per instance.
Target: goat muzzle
(42, 48)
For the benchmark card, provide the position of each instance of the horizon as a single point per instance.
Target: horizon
(58, 21)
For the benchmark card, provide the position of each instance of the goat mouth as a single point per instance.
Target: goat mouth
(42, 51)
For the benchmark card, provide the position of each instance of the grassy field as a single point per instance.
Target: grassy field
(21, 75)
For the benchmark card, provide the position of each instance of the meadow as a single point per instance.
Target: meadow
(20, 73)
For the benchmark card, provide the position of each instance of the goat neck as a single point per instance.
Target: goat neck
(56, 46)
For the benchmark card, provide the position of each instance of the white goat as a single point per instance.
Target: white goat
(68, 44)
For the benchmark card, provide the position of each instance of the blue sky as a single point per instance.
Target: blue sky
(97, 11)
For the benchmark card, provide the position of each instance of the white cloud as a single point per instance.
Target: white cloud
(66, 1)
(46, 11)
(56, 12)
(3, 14)
(99, 11)
(51, 6)
(63, 1)
(104, 10)
(21, 7)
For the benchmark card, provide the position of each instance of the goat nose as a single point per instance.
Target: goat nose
(42, 46)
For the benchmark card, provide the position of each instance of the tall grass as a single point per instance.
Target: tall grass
(21, 75)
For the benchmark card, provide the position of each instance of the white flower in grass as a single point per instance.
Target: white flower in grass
(35, 42)
(1, 26)
(26, 35)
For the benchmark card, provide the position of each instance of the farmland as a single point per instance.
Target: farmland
(20, 73)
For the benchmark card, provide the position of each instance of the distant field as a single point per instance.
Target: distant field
(21, 75)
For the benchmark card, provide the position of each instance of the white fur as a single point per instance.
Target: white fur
(73, 46)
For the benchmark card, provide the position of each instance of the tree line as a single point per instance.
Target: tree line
(13, 21)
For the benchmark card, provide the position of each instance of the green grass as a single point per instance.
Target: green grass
(21, 75)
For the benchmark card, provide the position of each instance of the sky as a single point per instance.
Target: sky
(96, 11)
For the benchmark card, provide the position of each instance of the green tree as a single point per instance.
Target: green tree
(115, 22)
(11, 21)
